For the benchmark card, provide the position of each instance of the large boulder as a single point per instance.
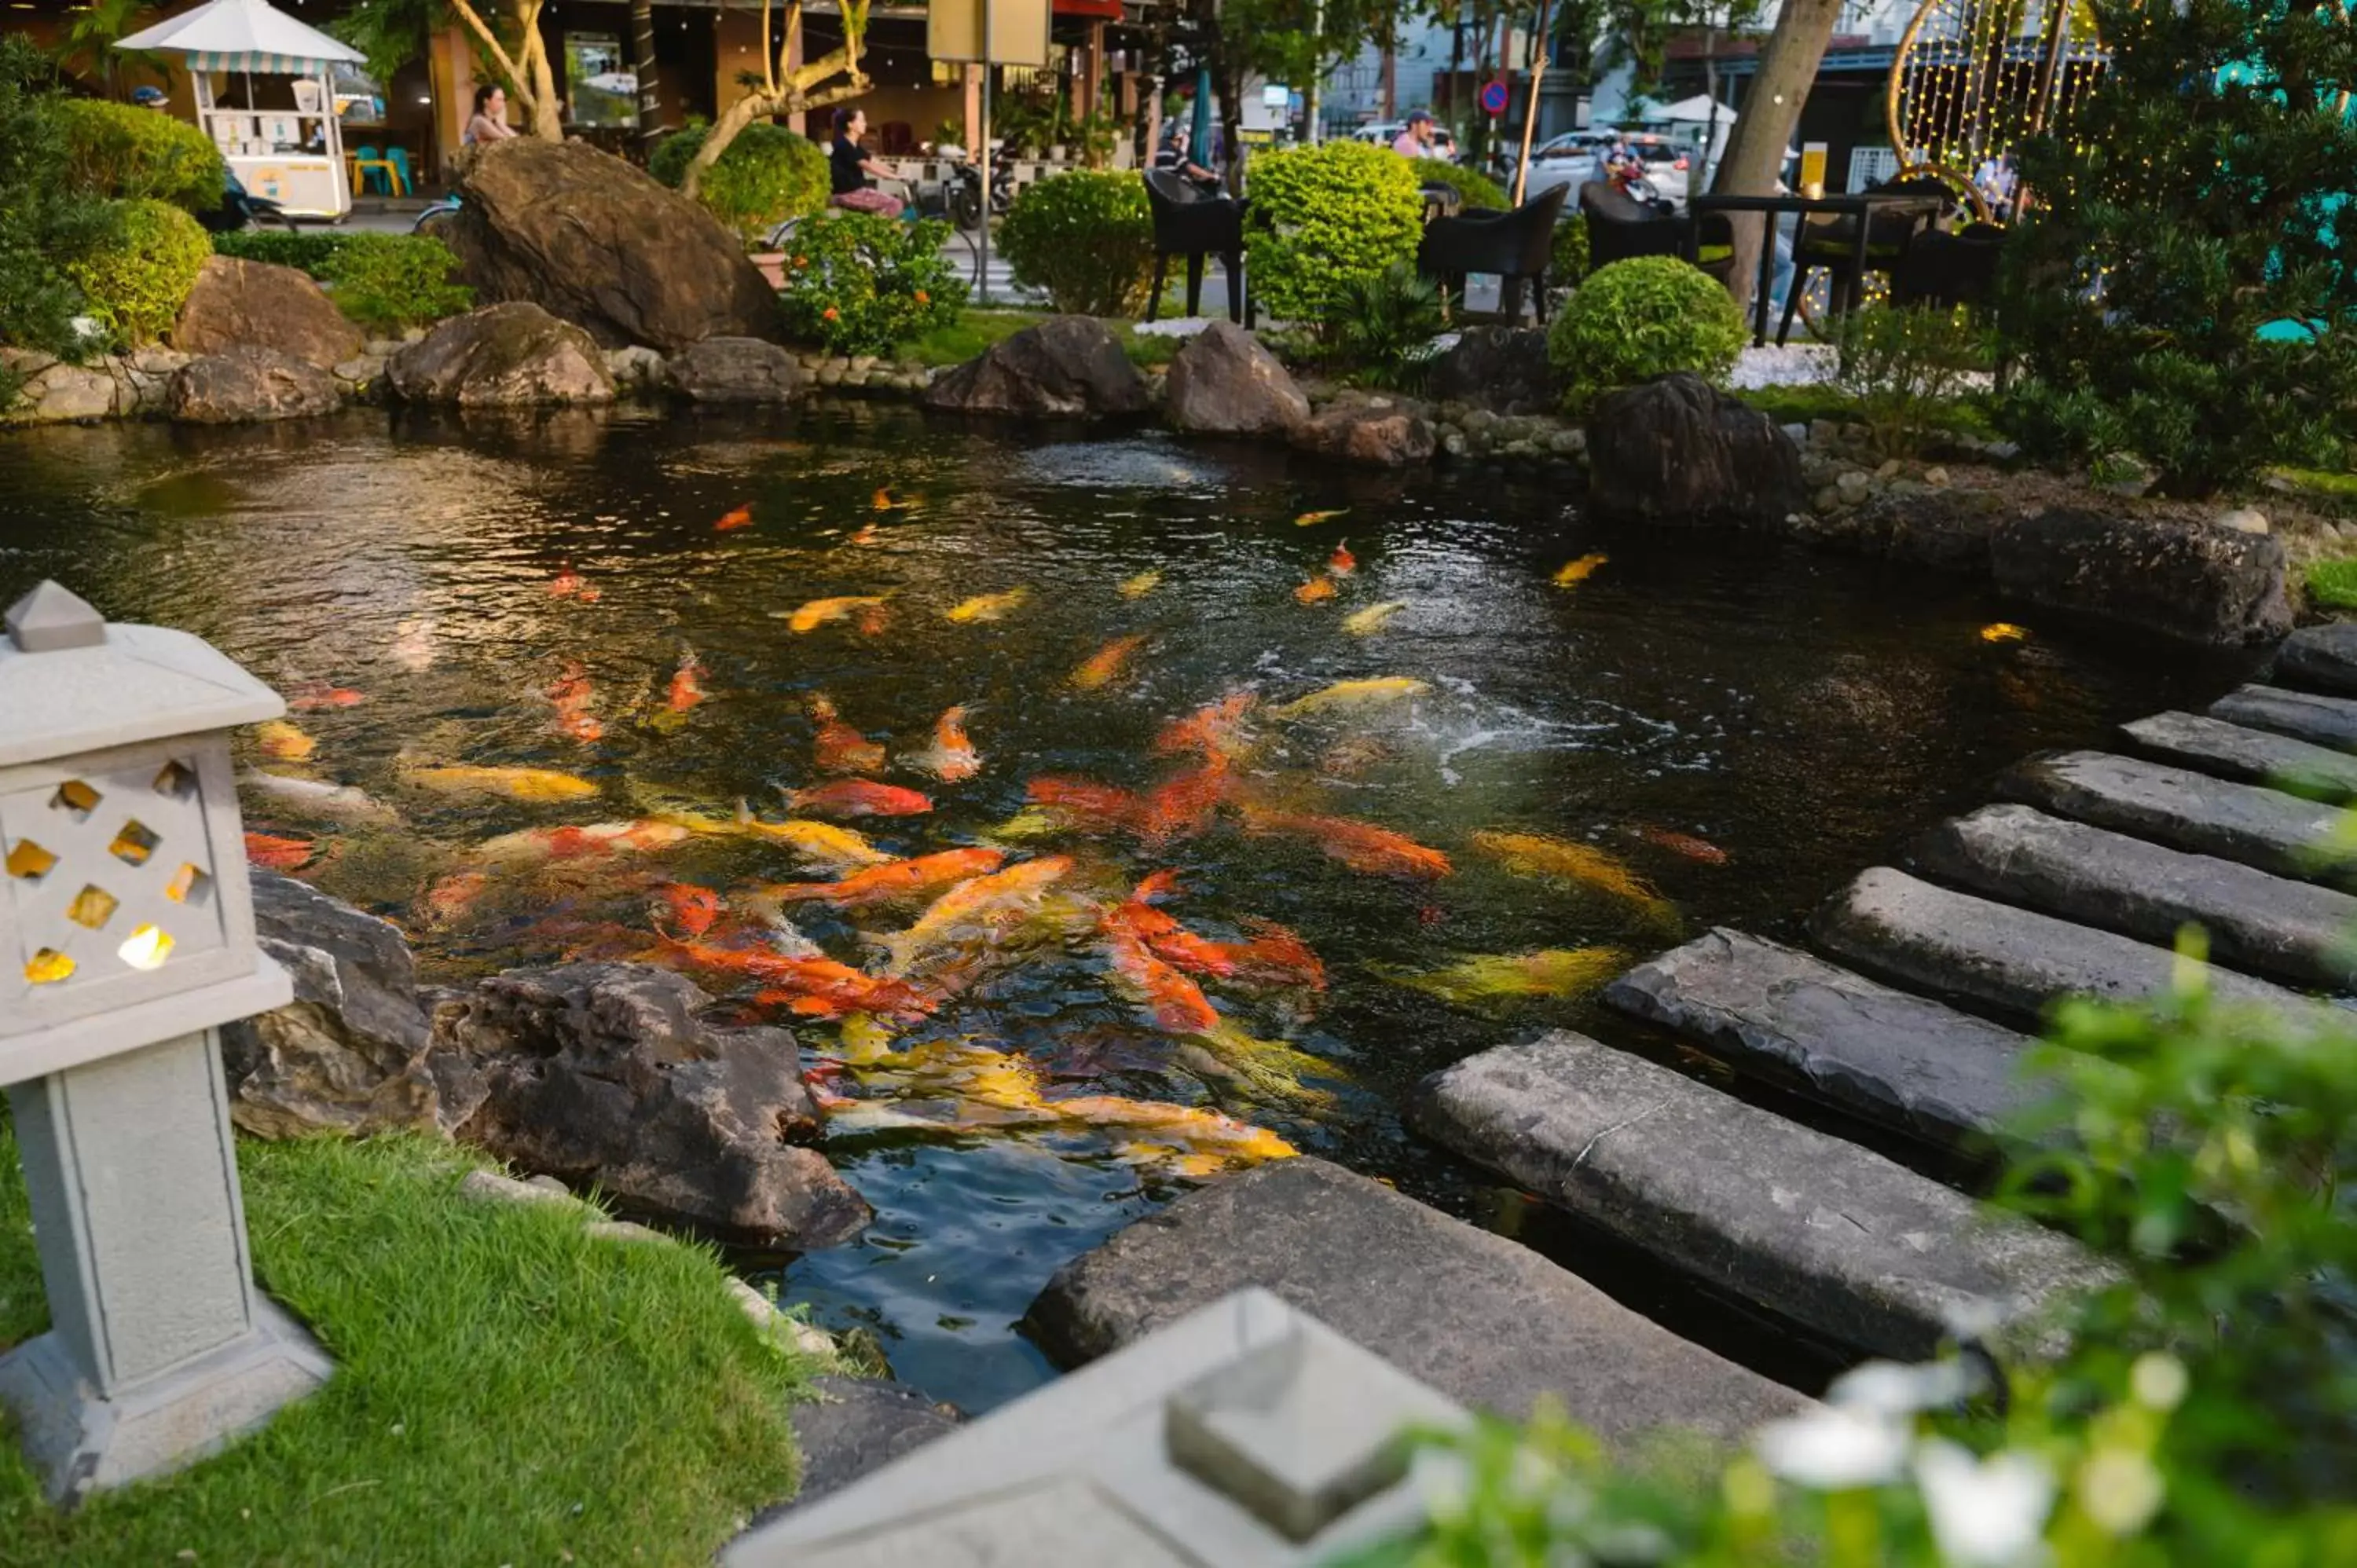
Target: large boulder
(1375, 432)
(733, 370)
(1222, 382)
(604, 245)
(507, 355)
(1503, 368)
(1068, 367)
(1673, 451)
(2185, 579)
(349, 1054)
(606, 1075)
(239, 304)
(246, 385)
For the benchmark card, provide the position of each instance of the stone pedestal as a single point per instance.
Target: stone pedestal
(161, 1347)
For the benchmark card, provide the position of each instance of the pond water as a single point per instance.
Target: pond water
(1722, 733)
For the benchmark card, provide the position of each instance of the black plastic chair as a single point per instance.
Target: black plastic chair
(1949, 269)
(1515, 245)
(1190, 224)
(1620, 227)
(1832, 243)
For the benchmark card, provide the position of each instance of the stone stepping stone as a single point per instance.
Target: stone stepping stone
(1995, 958)
(1814, 1228)
(2264, 828)
(1900, 1059)
(854, 1427)
(2323, 656)
(2248, 755)
(2268, 925)
(1481, 1319)
(2327, 721)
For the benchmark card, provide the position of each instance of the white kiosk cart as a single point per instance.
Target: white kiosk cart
(265, 95)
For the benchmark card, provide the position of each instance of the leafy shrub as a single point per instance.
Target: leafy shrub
(44, 217)
(1641, 318)
(133, 285)
(2201, 197)
(1568, 261)
(1902, 367)
(859, 283)
(1382, 326)
(2332, 585)
(768, 174)
(310, 251)
(128, 152)
(1322, 216)
(1086, 238)
(1474, 188)
(389, 283)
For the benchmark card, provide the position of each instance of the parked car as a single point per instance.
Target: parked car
(1574, 157)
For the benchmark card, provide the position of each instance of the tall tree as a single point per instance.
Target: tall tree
(1755, 149)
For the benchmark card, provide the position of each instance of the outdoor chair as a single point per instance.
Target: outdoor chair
(1190, 224)
(1620, 227)
(1943, 268)
(1831, 243)
(1515, 245)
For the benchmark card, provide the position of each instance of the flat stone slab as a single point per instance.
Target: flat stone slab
(855, 1427)
(1815, 1227)
(2324, 657)
(1483, 1320)
(2268, 925)
(2264, 828)
(1900, 1059)
(2248, 755)
(2327, 721)
(1992, 958)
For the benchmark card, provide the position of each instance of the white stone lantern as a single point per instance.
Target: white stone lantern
(126, 939)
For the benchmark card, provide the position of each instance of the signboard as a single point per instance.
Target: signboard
(1493, 98)
(1018, 31)
(1276, 95)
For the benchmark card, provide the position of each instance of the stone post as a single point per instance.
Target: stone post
(126, 938)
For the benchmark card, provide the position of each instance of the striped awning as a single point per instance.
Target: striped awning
(276, 65)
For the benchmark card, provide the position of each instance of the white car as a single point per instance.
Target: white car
(1574, 158)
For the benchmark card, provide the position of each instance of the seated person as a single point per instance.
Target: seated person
(851, 167)
(1171, 158)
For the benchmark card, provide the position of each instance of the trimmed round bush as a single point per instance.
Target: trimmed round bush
(1476, 190)
(1640, 318)
(1325, 218)
(389, 283)
(135, 286)
(768, 174)
(125, 151)
(1086, 238)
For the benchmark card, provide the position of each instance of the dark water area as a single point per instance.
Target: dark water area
(1800, 715)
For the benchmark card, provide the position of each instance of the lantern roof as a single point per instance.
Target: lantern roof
(71, 683)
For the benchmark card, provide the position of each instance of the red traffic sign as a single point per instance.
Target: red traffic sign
(1493, 98)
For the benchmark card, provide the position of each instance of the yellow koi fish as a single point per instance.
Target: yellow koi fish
(1370, 620)
(1536, 855)
(1311, 518)
(1145, 582)
(818, 612)
(1100, 669)
(975, 908)
(2003, 631)
(1580, 571)
(1353, 694)
(516, 783)
(822, 844)
(283, 742)
(989, 606)
(1262, 1069)
(1513, 977)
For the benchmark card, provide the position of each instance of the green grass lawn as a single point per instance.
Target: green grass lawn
(977, 328)
(508, 1390)
(1800, 405)
(2332, 585)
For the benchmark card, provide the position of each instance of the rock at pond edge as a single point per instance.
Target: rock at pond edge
(1223, 382)
(1675, 450)
(1067, 367)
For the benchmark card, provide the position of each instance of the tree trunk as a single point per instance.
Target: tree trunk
(642, 63)
(1755, 148)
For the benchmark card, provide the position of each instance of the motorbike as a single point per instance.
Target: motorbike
(240, 209)
(965, 194)
(1626, 173)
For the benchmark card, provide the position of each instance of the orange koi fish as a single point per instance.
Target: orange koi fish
(312, 696)
(448, 901)
(1361, 846)
(740, 518)
(1102, 667)
(1164, 936)
(1216, 731)
(1308, 519)
(1316, 590)
(869, 621)
(571, 584)
(813, 987)
(839, 748)
(1580, 571)
(858, 797)
(1275, 956)
(686, 683)
(1099, 806)
(952, 758)
(275, 854)
(883, 501)
(925, 874)
(571, 695)
(581, 843)
(868, 533)
(1686, 844)
(818, 612)
(1173, 1003)
(1341, 563)
(692, 909)
(1182, 807)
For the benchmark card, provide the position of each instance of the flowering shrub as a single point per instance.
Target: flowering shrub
(1086, 238)
(857, 283)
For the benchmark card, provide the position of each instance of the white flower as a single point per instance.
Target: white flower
(1833, 1449)
(2119, 1489)
(1893, 1389)
(2159, 1381)
(1984, 1513)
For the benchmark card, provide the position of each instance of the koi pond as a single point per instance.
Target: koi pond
(1102, 812)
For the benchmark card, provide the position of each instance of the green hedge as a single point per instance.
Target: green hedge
(45, 217)
(307, 252)
(1640, 318)
(134, 287)
(1325, 218)
(1476, 190)
(1086, 238)
(389, 283)
(128, 152)
(768, 174)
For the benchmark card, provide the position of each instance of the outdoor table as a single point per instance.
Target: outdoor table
(1860, 205)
